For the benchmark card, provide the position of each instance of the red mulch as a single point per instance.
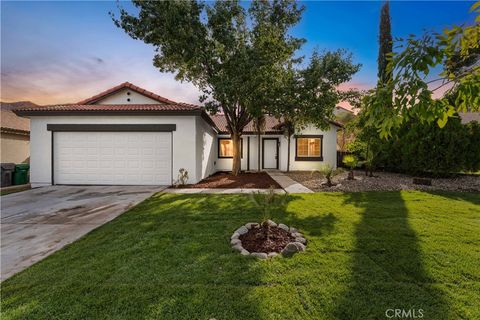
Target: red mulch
(255, 240)
(245, 180)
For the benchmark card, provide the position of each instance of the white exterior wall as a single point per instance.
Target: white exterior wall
(329, 151)
(184, 142)
(206, 144)
(121, 97)
(225, 164)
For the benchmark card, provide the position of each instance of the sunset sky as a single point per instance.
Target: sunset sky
(61, 52)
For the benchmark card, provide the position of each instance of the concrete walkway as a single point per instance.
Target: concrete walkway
(287, 183)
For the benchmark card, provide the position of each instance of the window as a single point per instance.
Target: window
(225, 148)
(309, 148)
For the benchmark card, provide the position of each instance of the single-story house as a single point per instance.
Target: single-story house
(129, 136)
(15, 133)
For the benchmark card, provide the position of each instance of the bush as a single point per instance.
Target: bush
(419, 148)
(328, 172)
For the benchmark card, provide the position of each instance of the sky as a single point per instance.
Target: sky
(62, 52)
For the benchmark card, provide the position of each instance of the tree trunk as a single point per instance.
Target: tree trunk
(259, 150)
(367, 165)
(236, 167)
(288, 152)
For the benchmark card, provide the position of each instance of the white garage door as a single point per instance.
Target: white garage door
(112, 158)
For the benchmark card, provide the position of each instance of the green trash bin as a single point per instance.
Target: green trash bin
(20, 176)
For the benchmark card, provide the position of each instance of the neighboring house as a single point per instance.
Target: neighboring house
(343, 116)
(15, 133)
(130, 136)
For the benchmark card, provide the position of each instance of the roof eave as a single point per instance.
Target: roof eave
(23, 113)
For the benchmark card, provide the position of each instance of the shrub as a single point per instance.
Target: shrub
(350, 161)
(328, 172)
(182, 177)
(420, 148)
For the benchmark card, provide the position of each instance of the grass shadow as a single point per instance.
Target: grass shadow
(387, 268)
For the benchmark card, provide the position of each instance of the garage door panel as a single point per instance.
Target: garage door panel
(123, 158)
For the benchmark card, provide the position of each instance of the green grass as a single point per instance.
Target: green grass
(170, 258)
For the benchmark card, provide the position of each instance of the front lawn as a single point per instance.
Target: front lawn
(170, 258)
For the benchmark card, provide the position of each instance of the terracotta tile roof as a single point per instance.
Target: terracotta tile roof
(10, 122)
(272, 124)
(109, 107)
(123, 86)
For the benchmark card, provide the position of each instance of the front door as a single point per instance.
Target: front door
(270, 153)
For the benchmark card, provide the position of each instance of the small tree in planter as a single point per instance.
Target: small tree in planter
(265, 203)
(350, 161)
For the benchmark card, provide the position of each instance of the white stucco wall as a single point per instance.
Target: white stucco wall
(329, 151)
(206, 148)
(225, 164)
(184, 142)
(121, 97)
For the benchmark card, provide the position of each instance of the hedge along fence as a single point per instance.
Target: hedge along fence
(420, 148)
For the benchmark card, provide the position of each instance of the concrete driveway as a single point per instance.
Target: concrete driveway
(38, 222)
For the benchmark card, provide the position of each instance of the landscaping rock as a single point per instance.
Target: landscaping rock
(293, 230)
(283, 226)
(241, 230)
(260, 255)
(238, 247)
(301, 240)
(385, 181)
(297, 235)
(235, 235)
(251, 225)
(236, 241)
(300, 246)
(271, 223)
(272, 254)
(244, 252)
(290, 249)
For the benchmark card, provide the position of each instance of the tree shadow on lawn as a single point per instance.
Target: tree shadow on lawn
(387, 271)
(167, 258)
(472, 197)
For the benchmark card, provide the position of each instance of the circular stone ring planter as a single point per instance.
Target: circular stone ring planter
(267, 240)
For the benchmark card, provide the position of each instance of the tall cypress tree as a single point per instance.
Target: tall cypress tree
(386, 45)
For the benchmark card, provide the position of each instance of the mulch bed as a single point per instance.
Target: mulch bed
(245, 180)
(255, 240)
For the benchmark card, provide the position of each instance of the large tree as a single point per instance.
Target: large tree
(368, 131)
(233, 55)
(455, 52)
(308, 96)
(385, 45)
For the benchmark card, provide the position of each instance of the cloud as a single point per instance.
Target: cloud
(66, 80)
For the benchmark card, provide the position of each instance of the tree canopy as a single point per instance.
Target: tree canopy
(233, 55)
(455, 52)
(242, 59)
